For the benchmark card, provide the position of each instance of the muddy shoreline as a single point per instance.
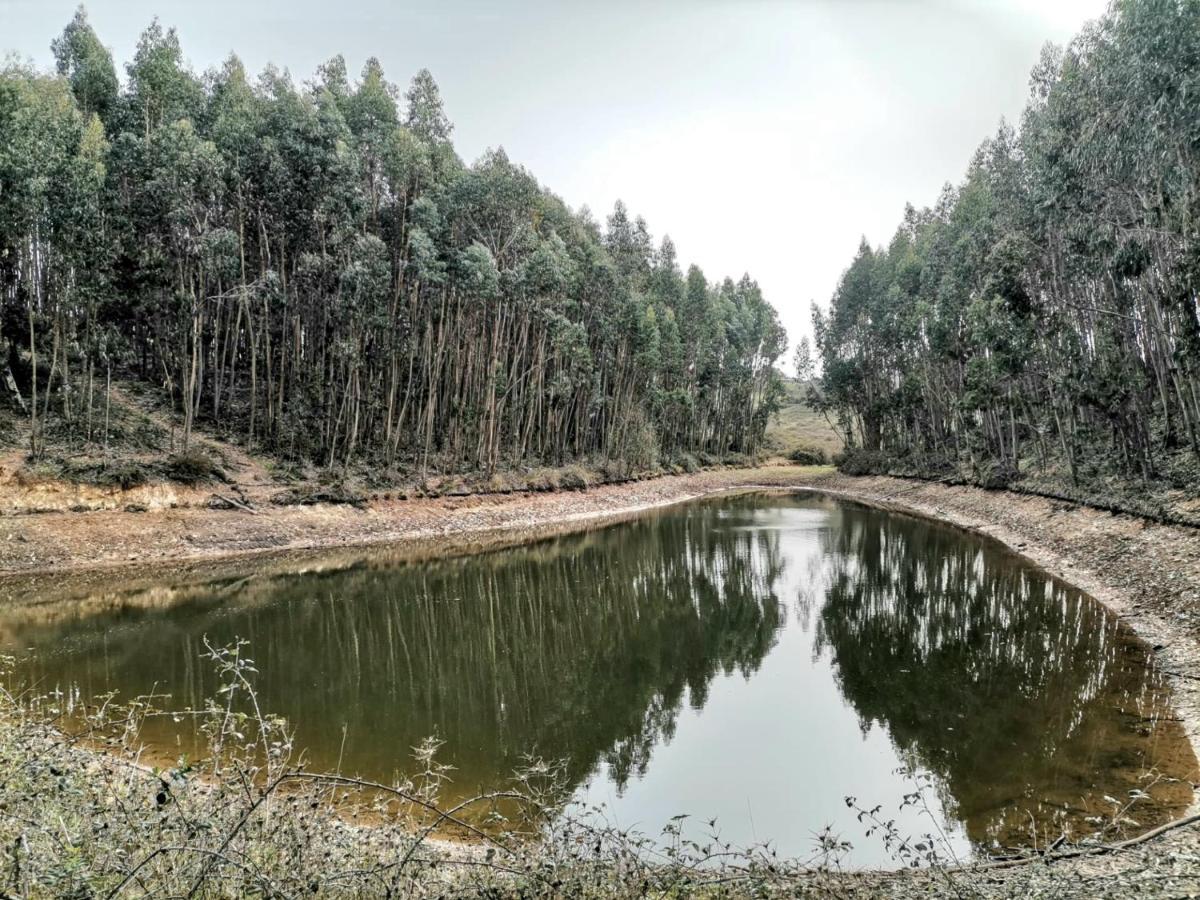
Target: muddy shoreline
(1148, 574)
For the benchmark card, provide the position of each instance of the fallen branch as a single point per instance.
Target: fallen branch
(1097, 850)
(235, 503)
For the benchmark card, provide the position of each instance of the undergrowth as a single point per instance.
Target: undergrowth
(84, 813)
(248, 818)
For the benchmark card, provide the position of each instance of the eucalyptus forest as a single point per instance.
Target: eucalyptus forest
(313, 271)
(377, 522)
(1040, 321)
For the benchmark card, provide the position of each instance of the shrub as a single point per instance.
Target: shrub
(640, 444)
(123, 474)
(808, 456)
(499, 483)
(192, 467)
(854, 461)
(997, 476)
(543, 480)
(927, 466)
(456, 487)
(615, 470)
(573, 478)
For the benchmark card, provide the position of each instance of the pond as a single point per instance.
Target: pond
(753, 659)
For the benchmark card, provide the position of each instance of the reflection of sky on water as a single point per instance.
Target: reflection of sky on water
(773, 757)
(753, 659)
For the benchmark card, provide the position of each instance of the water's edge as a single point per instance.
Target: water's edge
(966, 509)
(1169, 640)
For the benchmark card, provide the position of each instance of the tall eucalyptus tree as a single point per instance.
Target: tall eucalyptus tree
(313, 270)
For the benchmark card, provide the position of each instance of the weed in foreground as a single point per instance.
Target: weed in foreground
(83, 813)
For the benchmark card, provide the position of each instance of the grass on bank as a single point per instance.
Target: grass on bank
(798, 426)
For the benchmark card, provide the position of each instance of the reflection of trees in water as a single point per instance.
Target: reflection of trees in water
(582, 648)
(1000, 681)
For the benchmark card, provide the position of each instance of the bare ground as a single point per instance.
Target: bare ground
(1149, 574)
(187, 530)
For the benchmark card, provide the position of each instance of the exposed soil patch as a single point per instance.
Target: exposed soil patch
(59, 542)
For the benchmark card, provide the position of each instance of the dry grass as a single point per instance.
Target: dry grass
(249, 820)
(798, 426)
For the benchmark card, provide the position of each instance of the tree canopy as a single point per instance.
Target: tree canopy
(1043, 316)
(313, 269)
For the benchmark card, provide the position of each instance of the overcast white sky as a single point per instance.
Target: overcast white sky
(764, 136)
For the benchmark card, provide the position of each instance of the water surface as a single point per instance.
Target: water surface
(754, 659)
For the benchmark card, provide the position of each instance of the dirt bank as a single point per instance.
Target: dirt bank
(65, 541)
(1148, 574)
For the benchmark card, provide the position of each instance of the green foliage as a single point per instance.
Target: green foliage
(314, 270)
(1040, 319)
(687, 462)
(88, 66)
(802, 423)
(808, 456)
(573, 478)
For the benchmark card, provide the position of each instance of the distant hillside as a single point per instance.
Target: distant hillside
(797, 425)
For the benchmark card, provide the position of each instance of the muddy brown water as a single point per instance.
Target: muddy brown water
(754, 659)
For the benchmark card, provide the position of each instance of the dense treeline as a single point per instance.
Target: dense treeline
(1042, 317)
(313, 269)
